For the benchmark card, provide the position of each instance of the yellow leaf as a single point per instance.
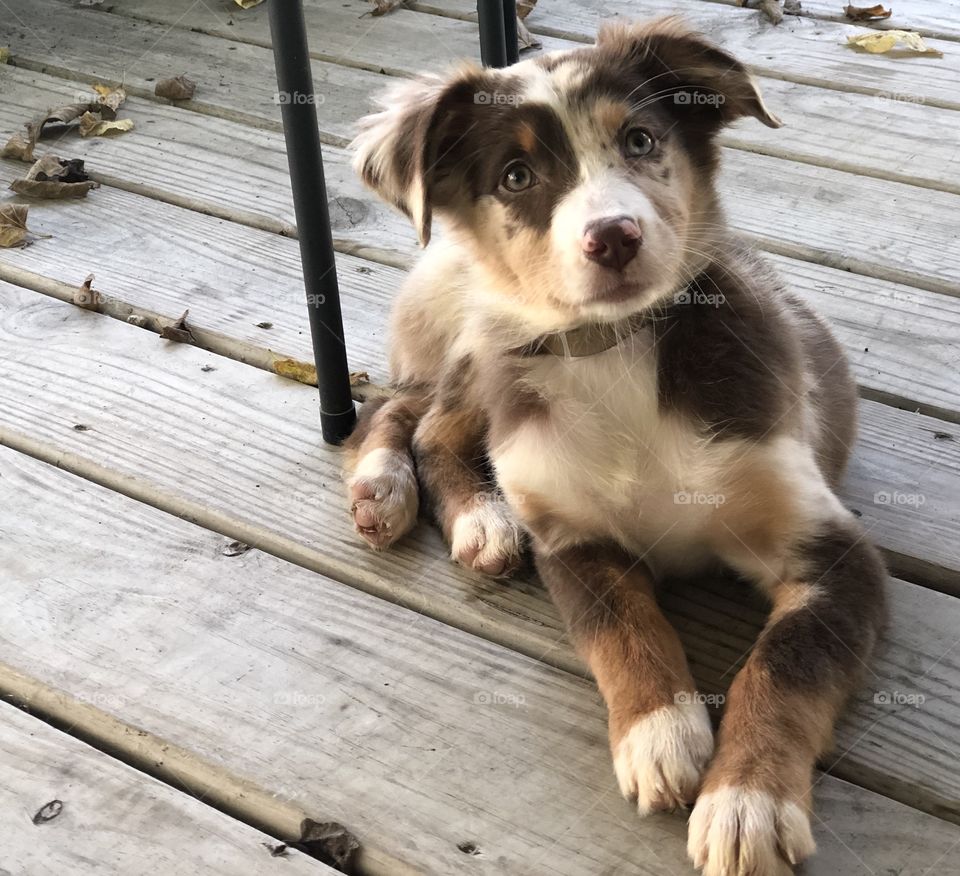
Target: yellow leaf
(4, 55)
(880, 41)
(247, 4)
(111, 97)
(296, 370)
(91, 125)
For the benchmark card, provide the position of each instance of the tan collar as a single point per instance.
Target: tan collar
(585, 340)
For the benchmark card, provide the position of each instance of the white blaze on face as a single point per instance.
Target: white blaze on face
(603, 193)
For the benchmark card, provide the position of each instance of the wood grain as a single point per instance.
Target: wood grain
(114, 819)
(799, 49)
(904, 342)
(916, 144)
(419, 737)
(238, 451)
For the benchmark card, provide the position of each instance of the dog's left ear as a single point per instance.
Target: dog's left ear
(690, 75)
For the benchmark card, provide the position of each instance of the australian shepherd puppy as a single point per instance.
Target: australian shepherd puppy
(589, 362)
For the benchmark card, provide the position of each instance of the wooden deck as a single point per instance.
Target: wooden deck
(191, 703)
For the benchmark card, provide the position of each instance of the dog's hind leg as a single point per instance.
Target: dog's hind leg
(381, 479)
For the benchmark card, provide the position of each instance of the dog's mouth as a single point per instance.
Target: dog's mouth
(615, 292)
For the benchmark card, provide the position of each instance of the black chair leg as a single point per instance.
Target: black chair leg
(510, 31)
(298, 108)
(498, 32)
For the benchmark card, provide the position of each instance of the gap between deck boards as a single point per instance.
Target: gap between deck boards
(182, 770)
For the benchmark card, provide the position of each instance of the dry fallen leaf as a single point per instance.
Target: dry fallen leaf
(296, 370)
(178, 331)
(111, 97)
(247, 4)
(866, 13)
(92, 125)
(4, 55)
(53, 179)
(178, 88)
(880, 41)
(86, 296)
(525, 39)
(13, 225)
(382, 7)
(19, 146)
(524, 8)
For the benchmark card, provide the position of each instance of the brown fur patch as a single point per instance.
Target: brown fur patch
(769, 740)
(606, 597)
(385, 423)
(449, 447)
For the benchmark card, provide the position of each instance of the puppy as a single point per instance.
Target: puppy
(590, 360)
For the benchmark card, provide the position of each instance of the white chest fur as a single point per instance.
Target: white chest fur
(612, 465)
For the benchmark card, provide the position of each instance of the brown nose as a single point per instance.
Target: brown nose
(611, 242)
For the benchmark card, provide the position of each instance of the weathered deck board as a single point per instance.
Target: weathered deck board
(236, 80)
(823, 204)
(343, 724)
(803, 50)
(238, 451)
(799, 49)
(114, 820)
(233, 277)
(916, 143)
(904, 343)
(937, 18)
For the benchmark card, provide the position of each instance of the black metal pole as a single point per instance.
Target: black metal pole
(510, 31)
(493, 38)
(298, 108)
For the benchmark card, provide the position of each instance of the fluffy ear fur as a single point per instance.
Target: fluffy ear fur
(398, 148)
(699, 82)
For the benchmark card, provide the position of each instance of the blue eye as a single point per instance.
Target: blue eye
(637, 142)
(517, 177)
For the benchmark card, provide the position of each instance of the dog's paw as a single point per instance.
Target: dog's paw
(383, 497)
(734, 831)
(487, 538)
(660, 759)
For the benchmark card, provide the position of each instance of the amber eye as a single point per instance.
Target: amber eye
(518, 177)
(637, 142)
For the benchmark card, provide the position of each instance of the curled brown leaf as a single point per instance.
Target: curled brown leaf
(178, 88)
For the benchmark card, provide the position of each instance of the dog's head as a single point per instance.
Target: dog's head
(582, 180)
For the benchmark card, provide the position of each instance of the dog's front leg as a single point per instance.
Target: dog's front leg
(452, 466)
(752, 816)
(660, 733)
(381, 483)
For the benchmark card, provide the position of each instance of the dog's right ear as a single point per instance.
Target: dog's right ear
(398, 148)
